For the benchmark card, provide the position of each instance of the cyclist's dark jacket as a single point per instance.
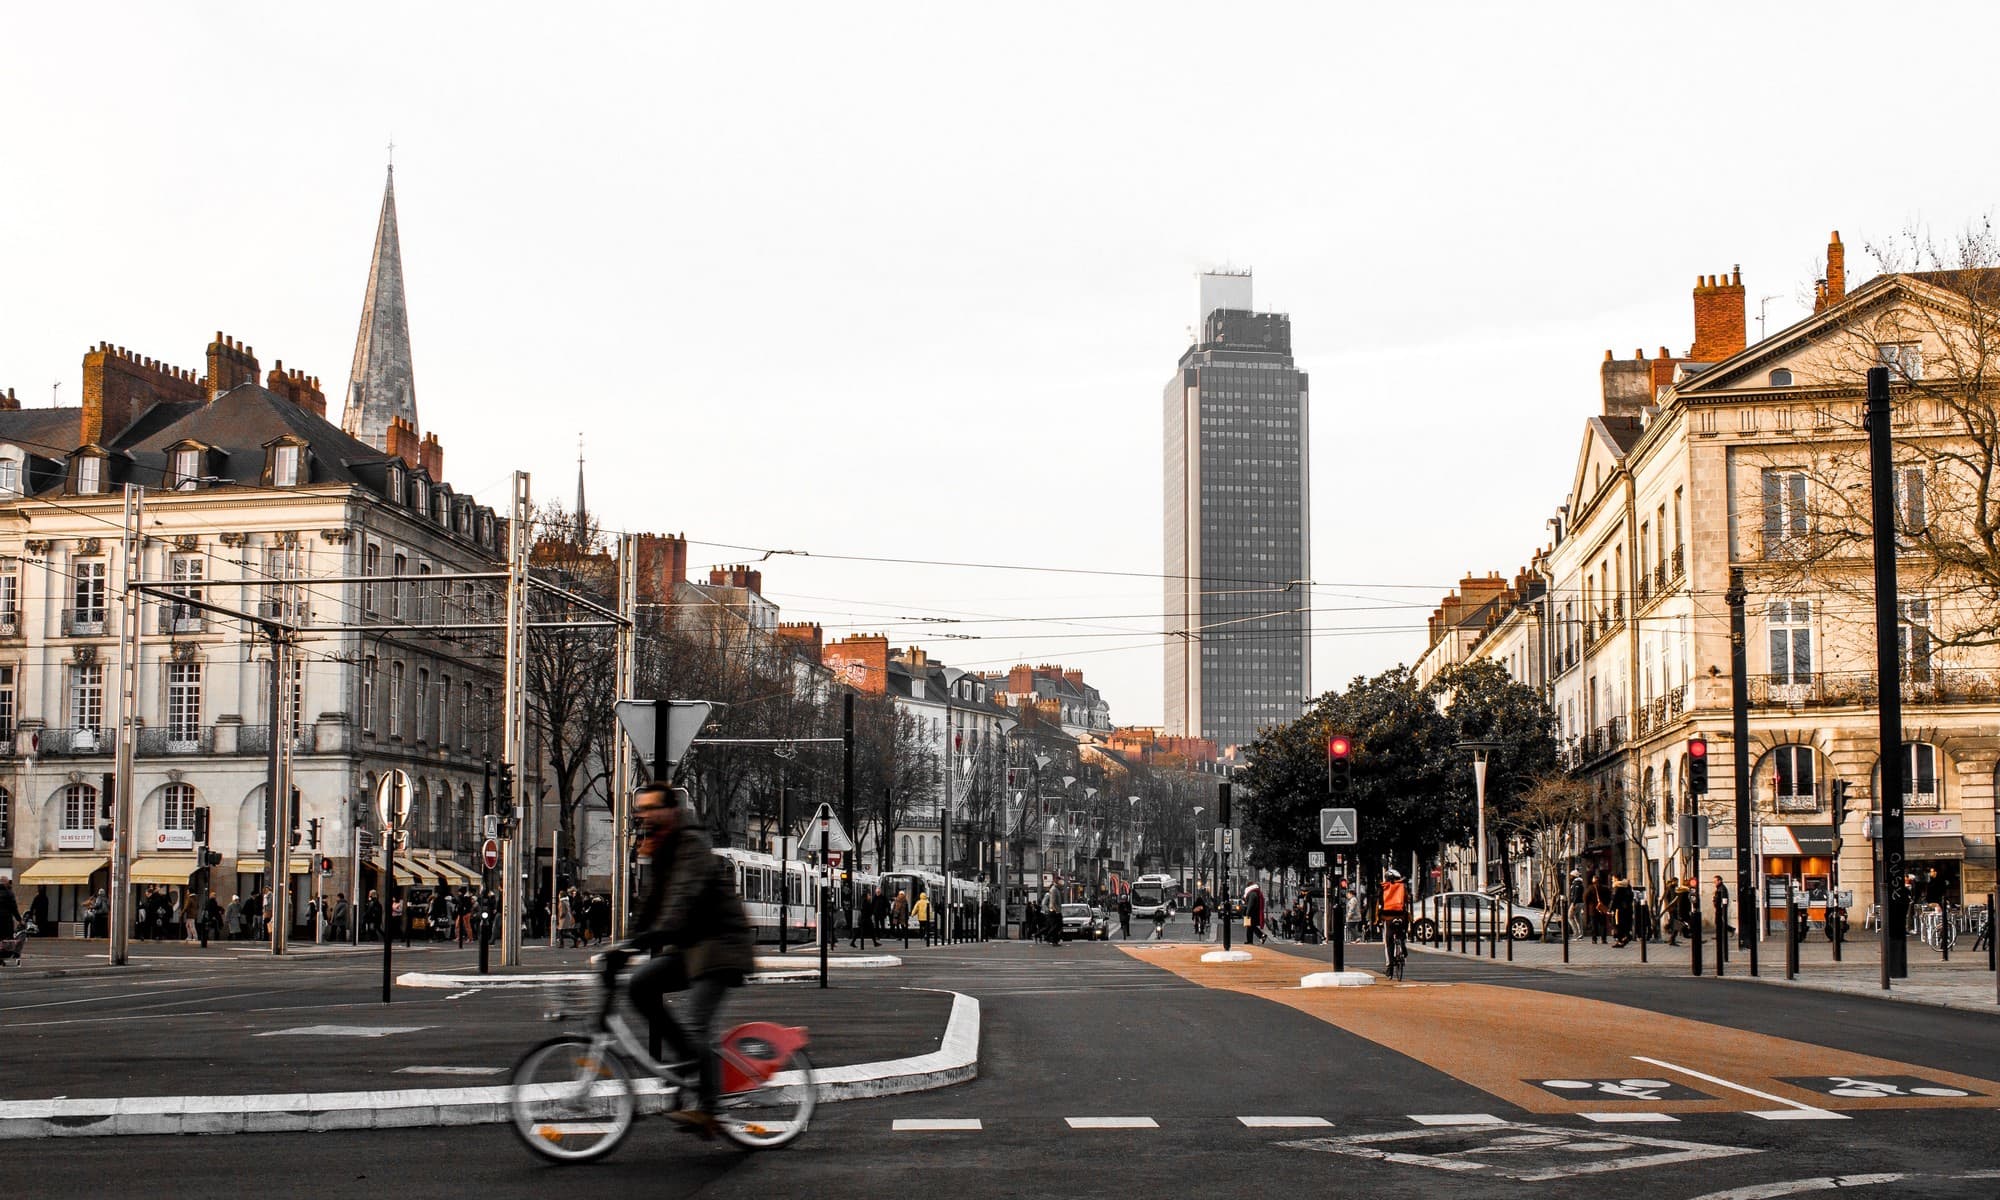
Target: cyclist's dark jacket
(693, 905)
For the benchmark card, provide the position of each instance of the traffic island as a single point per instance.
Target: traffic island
(1326, 979)
(1226, 956)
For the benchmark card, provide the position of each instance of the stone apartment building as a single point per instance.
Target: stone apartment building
(1752, 456)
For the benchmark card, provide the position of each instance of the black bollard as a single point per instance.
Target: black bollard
(1791, 931)
(1694, 931)
(1337, 929)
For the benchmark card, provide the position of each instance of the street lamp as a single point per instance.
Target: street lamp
(1479, 752)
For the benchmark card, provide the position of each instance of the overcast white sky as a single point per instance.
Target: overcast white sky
(905, 282)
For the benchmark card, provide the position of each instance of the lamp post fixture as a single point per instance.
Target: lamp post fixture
(1480, 750)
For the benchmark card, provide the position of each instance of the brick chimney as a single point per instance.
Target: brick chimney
(738, 576)
(119, 387)
(1721, 322)
(230, 364)
(431, 454)
(804, 638)
(8, 403)
(298, 387)
(660, 561)
(1021, 680)
(1075, 678)
(1834, 286)
(861, 661)
(403, 443)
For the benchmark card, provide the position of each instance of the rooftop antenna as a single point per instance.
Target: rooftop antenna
(55, 390)
(1762, 305)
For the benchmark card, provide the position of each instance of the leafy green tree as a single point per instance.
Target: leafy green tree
(1481, 702)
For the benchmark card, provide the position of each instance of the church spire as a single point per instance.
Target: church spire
(582, 513)
(382, 385)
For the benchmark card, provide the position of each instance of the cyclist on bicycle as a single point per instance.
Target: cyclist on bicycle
(691, 908)
(1395, 909)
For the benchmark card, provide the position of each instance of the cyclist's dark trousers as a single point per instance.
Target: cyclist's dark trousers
(1393, 927)
(694, 1040)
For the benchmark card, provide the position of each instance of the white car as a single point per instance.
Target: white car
(1476, 915)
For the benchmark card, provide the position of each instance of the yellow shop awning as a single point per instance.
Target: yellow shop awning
(300, 865)
(63, 869)
(409, 871)
(163, 868)
(453, 873)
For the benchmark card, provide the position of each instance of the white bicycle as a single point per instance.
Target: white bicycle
(574, 1097)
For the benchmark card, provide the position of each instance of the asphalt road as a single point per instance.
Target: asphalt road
(1106, 1072)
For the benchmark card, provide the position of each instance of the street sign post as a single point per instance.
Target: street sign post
(1316, 859)
(660, 747)
(489, 854)
(392, 802)
(1339, 826)
(825, 821)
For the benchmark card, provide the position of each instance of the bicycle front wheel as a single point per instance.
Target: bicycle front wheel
(571, 1099)
(775, 1113)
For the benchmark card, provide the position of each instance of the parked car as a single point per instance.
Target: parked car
(1477, 914)
(1083, 921)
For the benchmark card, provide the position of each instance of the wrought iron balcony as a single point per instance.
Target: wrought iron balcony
(155, 743)
(84, 622)
(75, 743)
(174, 619)
(256, 739)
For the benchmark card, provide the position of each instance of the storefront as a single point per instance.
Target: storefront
(1805, 855)
(68, 880)
(1932, 842)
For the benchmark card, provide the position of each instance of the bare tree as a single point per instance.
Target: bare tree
(1550, 816)
(570, 672)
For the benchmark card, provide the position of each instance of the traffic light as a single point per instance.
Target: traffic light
(1697, 771)
(325, 864)
(506, 788)
(1339, 762)
(312, 832)
(1839, 789)
(201, 825)
(107, 801)
(210, 858)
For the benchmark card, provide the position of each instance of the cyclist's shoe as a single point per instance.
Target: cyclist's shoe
(695, 1121)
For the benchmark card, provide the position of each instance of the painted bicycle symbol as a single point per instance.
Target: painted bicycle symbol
(1617, 1089)
(1875, 1089)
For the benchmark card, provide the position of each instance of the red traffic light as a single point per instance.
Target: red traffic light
(1698, 747)
(1339, 747)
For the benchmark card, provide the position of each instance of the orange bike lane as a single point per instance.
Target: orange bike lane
(1555, 1054)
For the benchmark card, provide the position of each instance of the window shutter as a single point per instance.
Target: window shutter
(1774, 515)
(1781, 659)
(1802, 775)
(1783, 759)
(1801, 648)
(1796, 484)
(1925, 773)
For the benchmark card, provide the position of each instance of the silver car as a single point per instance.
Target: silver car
(1475, 914)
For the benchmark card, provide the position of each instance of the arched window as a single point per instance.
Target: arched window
(1921, 787)
(904, 857)
(1781, 378)
(176, 807)
(79, 808)
(1668, 797)
(1651, 796)
(1793, 779)
(6, 820)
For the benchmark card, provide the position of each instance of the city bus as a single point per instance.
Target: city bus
(1152, 894)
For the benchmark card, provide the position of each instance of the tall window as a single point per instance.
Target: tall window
(1784, 511)
(1913, 639)
(371, 566)
(7, 704)
(79, 809)
(464, 712)
(1920, 777)
(1912, 514)
(285, 466)
(183, 701)
(486, 721)
(1904, 359)
(395, 699)
(1791, 641)
(368, 693)
(177, 807)
(401, 567)
(184, 569)
(10, 475)
(89, 475)
(6, 820)
(444, 710)
(423, 592)
(186, 472)
(86, 697)
(87, 593)
(1677, 521)
(10, 599)
(1795, 779)
(1668, 798)
(423, 704)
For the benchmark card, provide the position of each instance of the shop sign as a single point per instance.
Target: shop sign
(174, 839)
(76, 839)
(1922, 825)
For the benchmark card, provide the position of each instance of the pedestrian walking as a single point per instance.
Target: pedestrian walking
(864, 927)
(878, 913)
(1253, 914)
(1621, 911)
(1125, 916)
(921, 914)
(1597, 908)
(210, 924)
(1721, 902)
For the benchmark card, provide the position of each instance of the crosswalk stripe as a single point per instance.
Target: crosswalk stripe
(1626, 1118)
(1112, 1122)
(937, 1125)
(1456, 1119)
(1799, 1114)
(1285, 1122)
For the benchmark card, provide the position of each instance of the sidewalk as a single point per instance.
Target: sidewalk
(1963, 983)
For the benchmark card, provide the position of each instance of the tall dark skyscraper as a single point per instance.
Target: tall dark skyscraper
(1238, 553)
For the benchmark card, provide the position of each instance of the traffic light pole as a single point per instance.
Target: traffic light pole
(1888, 674)
(513, 878)
(1749, 906)
(120, 914)
(1222, 860)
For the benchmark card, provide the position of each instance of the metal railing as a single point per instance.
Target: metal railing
(174, 619)
(78, 743)
(1928, 686)
(155, 743)
(87, 622)
(256, 739)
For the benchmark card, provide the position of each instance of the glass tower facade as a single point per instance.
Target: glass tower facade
(1238, 558)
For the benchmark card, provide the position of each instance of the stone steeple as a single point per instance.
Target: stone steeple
(382, 386)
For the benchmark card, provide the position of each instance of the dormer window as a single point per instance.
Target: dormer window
(420, 495)
(285, 465)
(89, 474)
(11, 473)
(395, 486)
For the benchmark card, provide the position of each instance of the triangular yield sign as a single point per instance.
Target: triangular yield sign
(836, 834)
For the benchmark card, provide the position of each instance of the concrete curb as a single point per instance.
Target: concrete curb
(769, 970)
(955, 1061)
(1337, 979)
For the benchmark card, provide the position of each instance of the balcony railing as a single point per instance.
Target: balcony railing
(154, 743)
(10, 624)
(86, 622)
(182, 620)
(1677, 564)
(75, 743)
(1820, 689)
(256, 739)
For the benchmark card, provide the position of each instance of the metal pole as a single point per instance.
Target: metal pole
(847, 804)
(1222, 859)
(1791, 931)
(122, 809)
(512, 720)
(944, 822)
(389, 889)
(784, 864)
(278, 823)
(1888, 674)
(825, 932)
(1479, 793)
(621, 761)
(1739, 696)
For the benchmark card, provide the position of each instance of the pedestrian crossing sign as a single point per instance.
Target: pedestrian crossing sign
(1338, 826)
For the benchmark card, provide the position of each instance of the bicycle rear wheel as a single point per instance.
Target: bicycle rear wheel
(571, 1100)
(775, 1113)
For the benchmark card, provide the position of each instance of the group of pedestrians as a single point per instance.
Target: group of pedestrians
(582, 918)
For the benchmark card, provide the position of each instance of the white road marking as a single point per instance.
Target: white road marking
(1748, 1091)
(85, 1000)
(1627, 1118)
(355, 1031)
(1795, 1114)
(449, 1070)
(1112, 1122)
(937, 1125)
(1285, 1122)
(1456, 1119)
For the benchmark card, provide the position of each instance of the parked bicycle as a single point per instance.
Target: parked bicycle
(574, 1097)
